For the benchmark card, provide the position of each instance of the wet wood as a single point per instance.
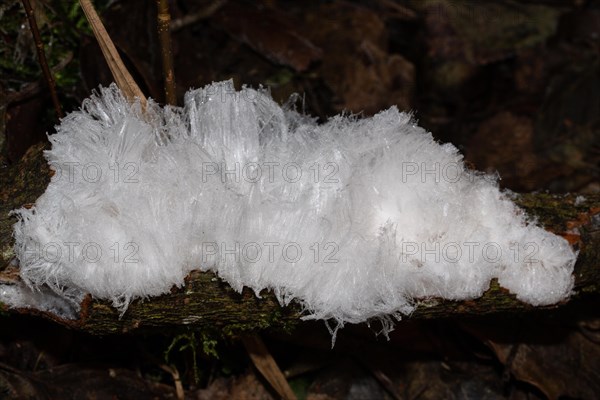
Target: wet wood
(209, 304)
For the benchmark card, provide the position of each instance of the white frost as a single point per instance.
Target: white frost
(17, 295)
(354, 218)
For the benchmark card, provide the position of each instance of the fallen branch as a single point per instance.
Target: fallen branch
(207, 303)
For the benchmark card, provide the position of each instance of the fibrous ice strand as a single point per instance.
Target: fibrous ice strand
(353, 218)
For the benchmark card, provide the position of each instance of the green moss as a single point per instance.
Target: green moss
(186, 342)
(21, 184)
(62, 25)
(300, 386)
(209, 345)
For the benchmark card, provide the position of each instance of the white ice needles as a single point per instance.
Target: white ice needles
(354, 218)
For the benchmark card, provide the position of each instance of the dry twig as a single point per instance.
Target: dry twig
(122, 76)
(42, 57)
(266, 365)
(164, 36)
(191, 19)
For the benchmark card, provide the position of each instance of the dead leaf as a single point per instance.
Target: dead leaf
(269, 32)
(570, 368)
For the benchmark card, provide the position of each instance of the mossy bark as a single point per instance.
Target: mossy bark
(208, 304)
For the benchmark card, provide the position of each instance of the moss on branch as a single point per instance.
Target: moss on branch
(208, 304)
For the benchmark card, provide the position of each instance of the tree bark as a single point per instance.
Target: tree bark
(209, 304)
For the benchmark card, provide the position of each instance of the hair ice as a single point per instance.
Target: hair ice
(354, 218)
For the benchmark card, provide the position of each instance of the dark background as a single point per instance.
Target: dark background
(515, 85)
